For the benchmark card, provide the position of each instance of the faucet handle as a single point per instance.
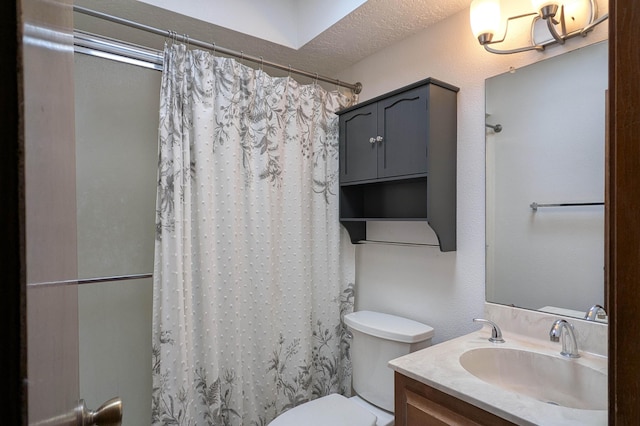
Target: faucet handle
(496, 333)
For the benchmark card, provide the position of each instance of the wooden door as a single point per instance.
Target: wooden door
(403, 124)
(358, 154)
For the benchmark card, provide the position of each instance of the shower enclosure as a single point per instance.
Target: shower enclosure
(116, 114)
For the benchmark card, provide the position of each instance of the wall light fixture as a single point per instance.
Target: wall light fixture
(553, 22)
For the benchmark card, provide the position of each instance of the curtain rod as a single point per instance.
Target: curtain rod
(356, 88)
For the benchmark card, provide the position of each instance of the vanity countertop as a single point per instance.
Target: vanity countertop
(439, 367)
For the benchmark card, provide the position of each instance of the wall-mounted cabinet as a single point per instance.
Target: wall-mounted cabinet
(398, 160)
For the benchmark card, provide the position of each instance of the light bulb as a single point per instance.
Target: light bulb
(485, 18)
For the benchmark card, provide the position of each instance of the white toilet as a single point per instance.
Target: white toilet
(377, 339)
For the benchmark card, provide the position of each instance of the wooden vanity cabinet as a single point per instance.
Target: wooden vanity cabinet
(398, 160)
(417, 404)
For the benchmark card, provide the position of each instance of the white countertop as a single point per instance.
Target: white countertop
(438, 366)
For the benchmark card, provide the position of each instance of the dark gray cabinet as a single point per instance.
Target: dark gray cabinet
(358, 146)
(386, 138)
(398, 160)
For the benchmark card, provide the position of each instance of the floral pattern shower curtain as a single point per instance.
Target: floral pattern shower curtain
(252, 273)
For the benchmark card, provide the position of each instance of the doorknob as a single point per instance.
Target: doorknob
(108, 414)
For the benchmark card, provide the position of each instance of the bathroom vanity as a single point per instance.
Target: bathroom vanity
(523, 381)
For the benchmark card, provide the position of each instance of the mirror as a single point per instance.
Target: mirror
(545, 174)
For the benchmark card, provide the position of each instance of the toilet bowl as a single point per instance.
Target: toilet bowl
(377, 339)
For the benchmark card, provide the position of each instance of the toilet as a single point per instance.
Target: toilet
(377, 339)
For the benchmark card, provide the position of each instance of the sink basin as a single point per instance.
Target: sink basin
(550, 379)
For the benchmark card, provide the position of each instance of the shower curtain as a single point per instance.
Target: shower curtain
(252, 273)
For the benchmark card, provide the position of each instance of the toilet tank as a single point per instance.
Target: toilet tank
(377, 339)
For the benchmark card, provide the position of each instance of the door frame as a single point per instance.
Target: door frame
(623, 229)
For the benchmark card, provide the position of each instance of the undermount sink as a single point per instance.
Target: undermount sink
(550, 379)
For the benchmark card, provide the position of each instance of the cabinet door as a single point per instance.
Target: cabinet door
(417, 404)
(358, 156)
(403, 124)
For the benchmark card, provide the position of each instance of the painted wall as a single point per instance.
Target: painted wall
(116, 162)
(444, 290)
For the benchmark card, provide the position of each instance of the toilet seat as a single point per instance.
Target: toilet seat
(330, 410)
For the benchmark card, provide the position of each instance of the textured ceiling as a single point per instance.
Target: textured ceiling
(371, 27)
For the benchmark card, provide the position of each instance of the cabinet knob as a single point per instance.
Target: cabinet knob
(378, 138)
(372, 140)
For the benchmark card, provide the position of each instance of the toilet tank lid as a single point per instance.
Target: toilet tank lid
(333, 410)
(388, 327)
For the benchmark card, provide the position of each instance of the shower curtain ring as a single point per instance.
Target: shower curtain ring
(261, 63)
(289, 76)
(316, 80)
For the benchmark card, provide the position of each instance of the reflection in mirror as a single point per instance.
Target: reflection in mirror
(545, 184)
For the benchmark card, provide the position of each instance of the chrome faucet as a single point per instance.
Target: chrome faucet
(569, 343)
(496, 333)
(596, 311)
